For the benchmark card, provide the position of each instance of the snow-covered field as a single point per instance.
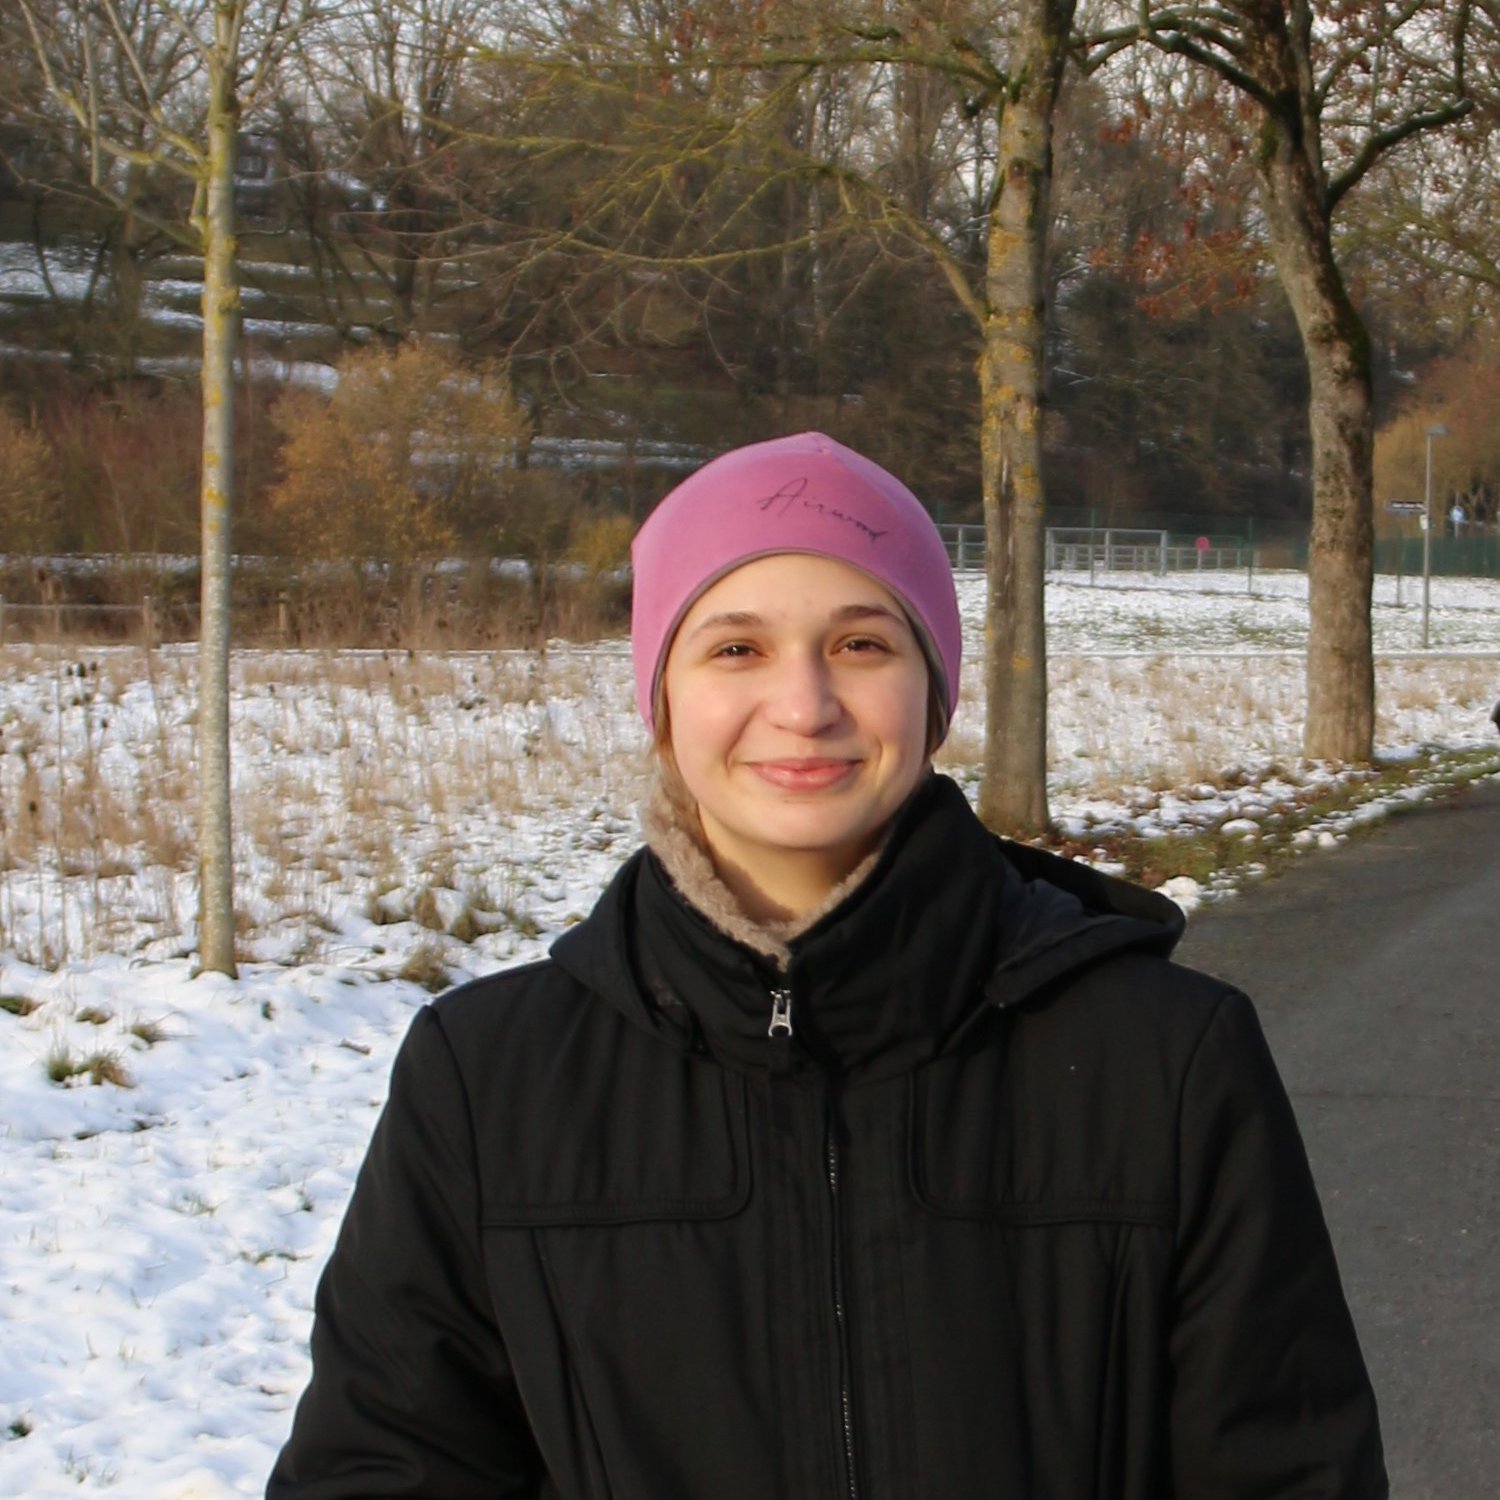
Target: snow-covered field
(177, 1151)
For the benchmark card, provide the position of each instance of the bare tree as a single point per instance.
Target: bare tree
(771, 136)
(122, 202)
(1329, 92)
(1429, 219)
(189, 72)
(1013, 795)
(390, 82)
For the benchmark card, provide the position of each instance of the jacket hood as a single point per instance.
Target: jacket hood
(950, 922)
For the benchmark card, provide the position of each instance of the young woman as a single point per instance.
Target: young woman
(845, 1150)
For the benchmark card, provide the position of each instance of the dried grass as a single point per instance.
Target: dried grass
(67, 1068)
(364, 772)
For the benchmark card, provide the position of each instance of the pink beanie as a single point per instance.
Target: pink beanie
(794, 494)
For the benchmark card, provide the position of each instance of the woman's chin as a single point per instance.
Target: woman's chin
(807, 834)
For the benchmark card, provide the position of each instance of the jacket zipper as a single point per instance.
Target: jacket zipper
(780, 1033)
(846, 1400)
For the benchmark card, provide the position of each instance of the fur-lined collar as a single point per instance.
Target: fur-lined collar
(669, 821)
(949, 925)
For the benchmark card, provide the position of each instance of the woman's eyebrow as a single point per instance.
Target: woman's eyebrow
(737, 619)
(867, 612)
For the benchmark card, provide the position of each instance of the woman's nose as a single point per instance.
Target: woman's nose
(802, 695)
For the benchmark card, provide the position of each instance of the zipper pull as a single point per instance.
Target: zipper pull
(780, 1032)
(781, 1013)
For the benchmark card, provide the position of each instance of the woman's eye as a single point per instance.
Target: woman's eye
(864, 643)
(733, 650)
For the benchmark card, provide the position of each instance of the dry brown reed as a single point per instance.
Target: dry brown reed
(396, 775)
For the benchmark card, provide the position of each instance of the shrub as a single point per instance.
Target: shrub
(28, 489)
(411, 446)
(127, 460)
(601, 542)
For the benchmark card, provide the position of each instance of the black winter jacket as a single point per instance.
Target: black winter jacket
(1018, 1209)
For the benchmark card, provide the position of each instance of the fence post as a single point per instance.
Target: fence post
(1250, 575)
(148, 620)
(1093, 542)
(283, 604)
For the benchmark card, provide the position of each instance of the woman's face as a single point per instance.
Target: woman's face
(797, 698)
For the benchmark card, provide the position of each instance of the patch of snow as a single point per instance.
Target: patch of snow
(1185, 891)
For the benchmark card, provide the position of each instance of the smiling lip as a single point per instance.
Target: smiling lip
(804, 775)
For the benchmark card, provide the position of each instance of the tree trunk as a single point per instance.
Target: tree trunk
(1340, 722)
(221, 313)
(1013, 792)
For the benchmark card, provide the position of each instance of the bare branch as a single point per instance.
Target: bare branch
(126, 43)
(1219, 63)
(1204, 35)
(1383, 141)
(1359, 47)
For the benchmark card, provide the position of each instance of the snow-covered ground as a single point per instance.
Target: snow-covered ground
(403, 820)
(167, 302)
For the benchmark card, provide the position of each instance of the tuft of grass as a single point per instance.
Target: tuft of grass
(21, 1427)
(425, 966)
(522, 923)
(95, 1015)
(63, 1067)
(450, 912)
(106, 1067)
(19, 1005)
(149, 1032)
(264, 1257)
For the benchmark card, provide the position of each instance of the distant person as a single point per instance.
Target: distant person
(845, 1150)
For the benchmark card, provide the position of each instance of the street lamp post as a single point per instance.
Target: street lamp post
(1436, 431)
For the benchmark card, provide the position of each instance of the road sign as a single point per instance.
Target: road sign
(1404, 507)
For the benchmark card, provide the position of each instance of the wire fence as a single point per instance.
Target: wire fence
(1160, 550)
(299, 605)
(62, 620)
(1113, 549)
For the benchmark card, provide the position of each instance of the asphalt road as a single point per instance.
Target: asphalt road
(1376, 971)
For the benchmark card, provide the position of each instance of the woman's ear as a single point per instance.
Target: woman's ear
(937, 717)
